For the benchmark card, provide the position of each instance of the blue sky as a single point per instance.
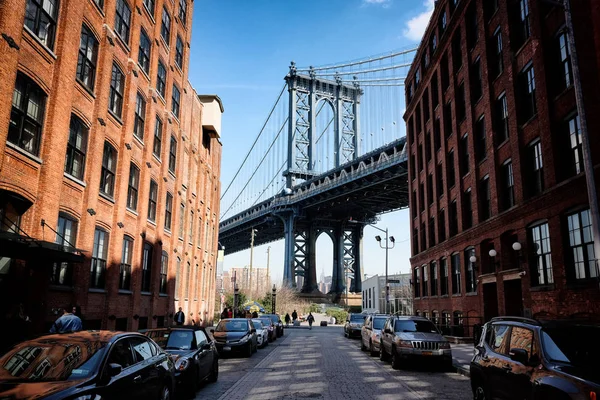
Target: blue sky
(241, 50)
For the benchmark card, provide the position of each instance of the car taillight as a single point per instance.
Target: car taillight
(592, 395)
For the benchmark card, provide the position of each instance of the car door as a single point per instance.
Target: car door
(365, 332)
(204, 356)
(149, 362)
(496, 360)
(517, 378)
(386, 336)
(127, 384)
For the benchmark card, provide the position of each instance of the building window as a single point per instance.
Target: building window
(199, 237)
(420, 156)
(132, 188)
(565, 59)
(457, 51)
(581, 240)
(470, 270)
(425, 273)
(125, 271)
(450, 169)
(444, 70)
(40, 18)
(490, 8)
(432, 44)
(423, 238)
(456, 280)
(421, 197)
(461, 105)
(76, 148)
(86, 60)
(535, 168)
(463, 148)
(472, 26)
(442, 225)
(191, 228)
(188, 281)
(508, 182)
(467, 210)
(413, 167)
(168, 211)
(501, 119)
(523, 31)
(144, 51)
(476, 81)
(175, 98)
(27, 115)
(140, 117)
(431, 231)
(150, 6)
(165, 28)
(179, 52)
(419, 121)
(417, 281)
(430, 189)
(437, 135)
(526, 91)
(439, 176)
(417, 77)
(109, 167)
(183, 11)
(434, 278)
(435, 96)
(157, 146)
(427, 142)
(164, 267)
(426, 112)
(415, 241)
(414, 203)
(480, 142)
(453, 218)
(485, 199)
(497, 61)
(541, 263)
(448, 119)
(147, 267)
(443, 277)
(122, 20)
(576, 145)
(117, 86)
(181, 220)
(173, 155)
(161, 79)
(443, 22)
(152, 198)
(177, 278)
(99, 256)
(99, 3)
(66, 235)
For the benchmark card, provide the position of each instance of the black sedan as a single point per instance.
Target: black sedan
(277, 322)
(193, 352)
(87, 365)
(235, 335)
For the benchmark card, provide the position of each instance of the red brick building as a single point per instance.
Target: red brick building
(109, 164)
(495, 164)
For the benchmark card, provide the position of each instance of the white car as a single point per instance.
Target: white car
(262, 333)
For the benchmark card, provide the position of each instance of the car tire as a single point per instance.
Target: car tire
(255, 348)
(362, 345)
(214, 373)
(371, 350)
(249, 351)
(192, 387)
(396, 361)
(382, 355)
(480, 392)
(165, 393)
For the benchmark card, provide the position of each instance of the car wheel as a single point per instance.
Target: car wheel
(382, 355)
(249, 350)
(371, 349)
(214, 373)
(193, 384)
(165, 393)
(362, 345)
(480, 393)
(255, 348)
(396, 361)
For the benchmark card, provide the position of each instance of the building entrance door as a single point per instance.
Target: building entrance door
(513, 297)
(490, 301)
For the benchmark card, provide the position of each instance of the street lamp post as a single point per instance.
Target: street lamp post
(273, 296)
(387, 247)
(252, 233)
(236, 296)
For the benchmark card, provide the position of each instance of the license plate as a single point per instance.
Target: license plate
(427, 353)
(226, 348)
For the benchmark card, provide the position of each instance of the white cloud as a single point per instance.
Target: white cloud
(415, 27)
(383, 3)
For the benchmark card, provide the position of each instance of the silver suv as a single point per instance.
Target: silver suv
(371, 333)
(411, 337)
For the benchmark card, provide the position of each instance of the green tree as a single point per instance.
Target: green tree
(242, 299)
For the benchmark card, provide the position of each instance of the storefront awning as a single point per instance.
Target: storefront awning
(21, 247)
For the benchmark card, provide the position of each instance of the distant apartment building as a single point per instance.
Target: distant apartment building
(259, 282)
(400, 294)
(499, 210)
(109, 164)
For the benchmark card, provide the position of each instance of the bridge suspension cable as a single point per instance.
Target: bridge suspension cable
(359, 62)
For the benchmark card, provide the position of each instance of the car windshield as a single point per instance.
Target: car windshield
(574, 345)
(378, 323)
(257, 325)
(274, 318)
(232, 326)
(415, 326)
(51, 360)
(356, 318)
(266, 321)
(176, 340)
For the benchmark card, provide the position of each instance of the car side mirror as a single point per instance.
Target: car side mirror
(113, 369)
(252, 330)
(519, 355)
(205, 346)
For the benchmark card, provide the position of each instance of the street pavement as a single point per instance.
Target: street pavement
(322, 364)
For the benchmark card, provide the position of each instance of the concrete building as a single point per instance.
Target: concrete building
(499, 212)
(400, 299)
(261, 282)
(109, 164)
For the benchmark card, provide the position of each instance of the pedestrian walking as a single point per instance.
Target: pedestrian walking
(287, 319)
(229, 313)
(294, 316)
(67, 322)
(310, 320)
(179, 317)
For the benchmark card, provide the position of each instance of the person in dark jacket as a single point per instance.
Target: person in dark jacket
(310, 320)
(179, 317)
(287, 318)
(294, 316)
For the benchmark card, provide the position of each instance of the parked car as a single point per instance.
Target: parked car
(277, 322)
(235, 335)
(262, 333)
(87, 365)
(413, 337)
(370, 334)
(353, 325)
(193, 352)
(520, 358)
(268, 323)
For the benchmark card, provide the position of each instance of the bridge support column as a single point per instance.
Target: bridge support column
(310, 263)
(357, 247)
(337, 277)
(289, 239)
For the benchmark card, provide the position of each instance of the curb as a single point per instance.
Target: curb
(461, 370)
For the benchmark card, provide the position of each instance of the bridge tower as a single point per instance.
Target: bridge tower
(305, 93)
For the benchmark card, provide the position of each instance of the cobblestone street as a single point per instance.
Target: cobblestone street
(322, 364)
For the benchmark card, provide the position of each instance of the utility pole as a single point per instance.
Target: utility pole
(588, 164)
(252, 232)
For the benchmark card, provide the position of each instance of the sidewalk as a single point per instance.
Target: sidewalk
(461, 358)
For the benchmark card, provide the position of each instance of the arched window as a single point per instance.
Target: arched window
(125, 270)
(109, 168)
(27, 115)
(164, 267)
(76, 148)
(147, 267)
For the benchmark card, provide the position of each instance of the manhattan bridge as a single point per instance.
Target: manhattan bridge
(329, 158)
